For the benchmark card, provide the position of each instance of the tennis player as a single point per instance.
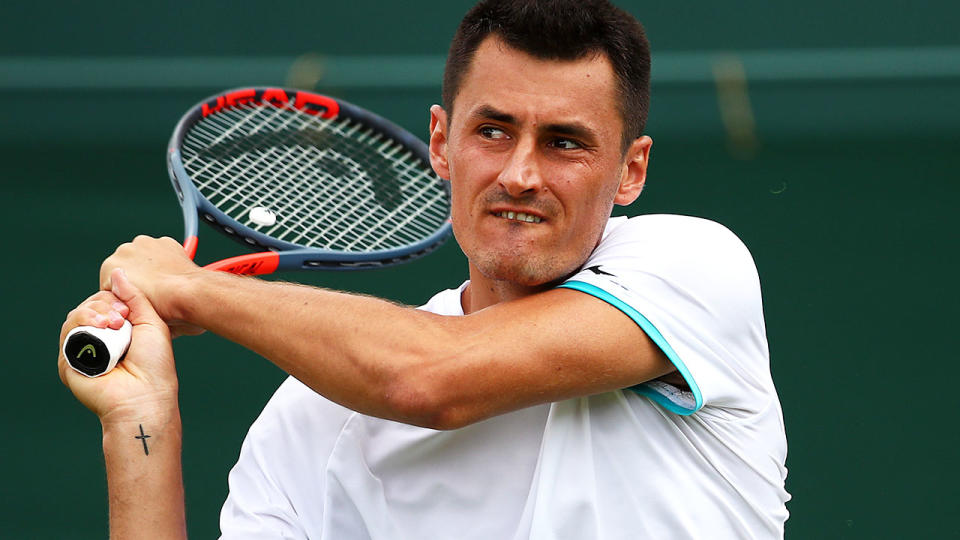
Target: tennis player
(596, 377)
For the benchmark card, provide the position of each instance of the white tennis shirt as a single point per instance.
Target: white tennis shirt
(647, 462)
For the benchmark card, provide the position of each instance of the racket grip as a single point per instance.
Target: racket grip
(94, 351)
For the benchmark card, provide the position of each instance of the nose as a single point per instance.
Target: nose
(520, 176)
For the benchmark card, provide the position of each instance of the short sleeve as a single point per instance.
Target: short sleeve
(692, 286)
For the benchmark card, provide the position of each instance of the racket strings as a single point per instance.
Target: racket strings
(356, 170)
(382, 148)
(332, 183)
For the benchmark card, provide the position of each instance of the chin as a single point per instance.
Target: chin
(529, 272)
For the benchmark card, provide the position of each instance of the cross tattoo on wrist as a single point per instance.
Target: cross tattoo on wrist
(143, 438)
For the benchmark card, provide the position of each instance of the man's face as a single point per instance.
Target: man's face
(533, 151)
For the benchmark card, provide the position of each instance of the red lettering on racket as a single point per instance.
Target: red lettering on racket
(275, 96)
(213, 106)
(314, 104)
(252, 264)
(241, 97)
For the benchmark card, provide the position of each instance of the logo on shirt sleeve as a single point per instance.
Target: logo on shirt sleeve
(596, 270)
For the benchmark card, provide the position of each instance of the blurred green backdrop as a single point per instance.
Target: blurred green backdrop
(823, 133)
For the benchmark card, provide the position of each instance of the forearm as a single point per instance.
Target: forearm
(144, 479)
(358, 351)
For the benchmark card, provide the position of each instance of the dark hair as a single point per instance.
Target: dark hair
(560, 30)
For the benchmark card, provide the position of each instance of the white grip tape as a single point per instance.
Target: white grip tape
(93, 351)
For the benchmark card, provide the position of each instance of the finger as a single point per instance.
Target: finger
(86, 315)
(141, 311)
(110, 264)
(102, 296)
(121, 308)
(105, 303)
(106, 306)
(105, 271)
(106, 268)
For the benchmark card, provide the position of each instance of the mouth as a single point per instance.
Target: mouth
(518, 216)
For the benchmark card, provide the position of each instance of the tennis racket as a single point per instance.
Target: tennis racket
(310, 181)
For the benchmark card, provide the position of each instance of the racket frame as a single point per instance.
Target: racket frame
(278, 255)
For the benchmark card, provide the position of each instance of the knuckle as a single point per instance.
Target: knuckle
(106, 297)
(83, 315)
(94, 297)
(98, 306)
(123, 247)
(74, 316)
(107, 264)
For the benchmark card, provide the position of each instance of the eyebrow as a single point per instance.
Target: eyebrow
(488, 112)
(572, 129)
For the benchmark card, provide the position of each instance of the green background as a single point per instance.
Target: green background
(839, 172)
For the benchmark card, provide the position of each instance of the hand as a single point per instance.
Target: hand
(145, 382)
(156, 266)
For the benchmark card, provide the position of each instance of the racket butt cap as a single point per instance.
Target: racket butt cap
(93, 351)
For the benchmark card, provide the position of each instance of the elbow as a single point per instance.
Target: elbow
(424, 400)
(430, 383)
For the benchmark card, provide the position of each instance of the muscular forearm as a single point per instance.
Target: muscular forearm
(144, 479)
(358, 351)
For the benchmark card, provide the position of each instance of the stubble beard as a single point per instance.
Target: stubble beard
(519, 270)
(513, 267)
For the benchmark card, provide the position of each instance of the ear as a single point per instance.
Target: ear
(634, 173)
(438, 141)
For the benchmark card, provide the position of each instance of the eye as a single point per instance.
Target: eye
(565, 144)
(492, 132)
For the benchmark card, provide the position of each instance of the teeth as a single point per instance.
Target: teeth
(520, 216)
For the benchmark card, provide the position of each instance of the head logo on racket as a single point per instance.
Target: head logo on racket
(307, 102)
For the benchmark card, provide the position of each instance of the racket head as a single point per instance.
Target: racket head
(326, 184)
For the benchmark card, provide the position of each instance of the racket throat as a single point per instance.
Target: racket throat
(253, 264)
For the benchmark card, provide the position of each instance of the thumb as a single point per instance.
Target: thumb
(141, 311)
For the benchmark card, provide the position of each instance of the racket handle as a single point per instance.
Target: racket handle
(95, 351)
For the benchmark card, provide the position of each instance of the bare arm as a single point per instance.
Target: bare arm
(138, 410)
(404, 364)
(144, 479)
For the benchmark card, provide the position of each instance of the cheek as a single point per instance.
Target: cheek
(469, 177)
(588, 205)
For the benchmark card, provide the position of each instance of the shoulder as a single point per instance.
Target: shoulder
(682, 247)
(667, 231)
(692, 285)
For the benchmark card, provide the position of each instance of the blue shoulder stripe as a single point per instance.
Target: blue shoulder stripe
(657, 338)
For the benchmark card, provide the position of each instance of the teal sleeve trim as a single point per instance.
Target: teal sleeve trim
(657, 338)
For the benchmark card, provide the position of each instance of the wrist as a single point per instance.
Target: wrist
(164, 412)
(150, 435)
(177, 295)
(156, 428)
